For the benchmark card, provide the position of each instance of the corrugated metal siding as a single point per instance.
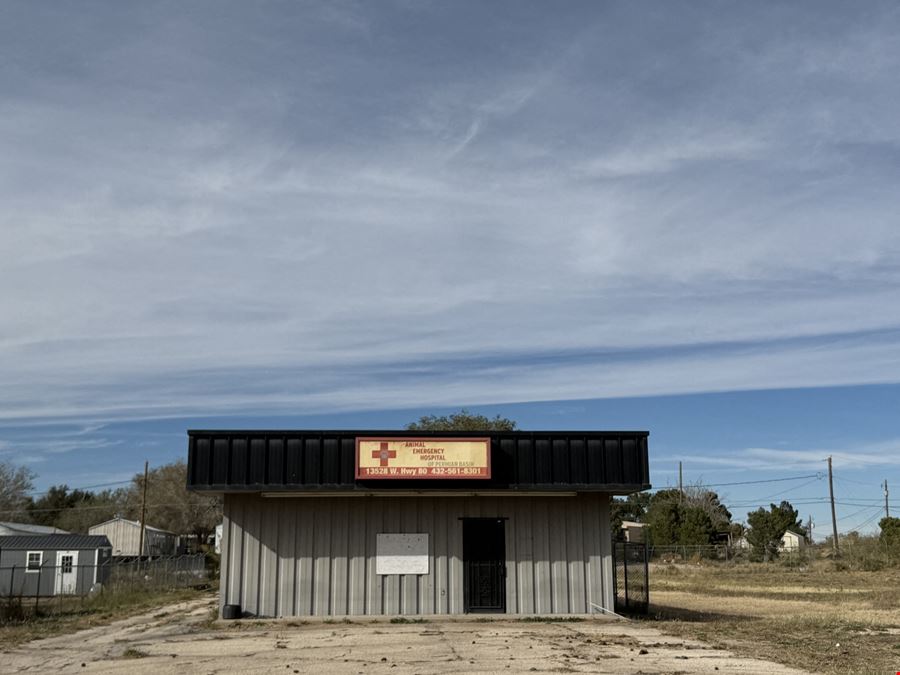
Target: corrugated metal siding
(614, 461)
(125, 537)
(316, 555)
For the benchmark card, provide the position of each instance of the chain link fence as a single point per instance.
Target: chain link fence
(631, 577)
(724, 553)
(47, 589)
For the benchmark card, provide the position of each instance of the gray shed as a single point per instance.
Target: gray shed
(400, 522)
(52, 564)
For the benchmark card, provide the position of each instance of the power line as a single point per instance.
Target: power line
(817, 476)
(851, 480)
(90, 508)
(861, 502)
(869, 521)
(86, 487)
(795, 487)
(856, 513)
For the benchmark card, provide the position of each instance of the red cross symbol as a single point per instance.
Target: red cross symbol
(383, 454)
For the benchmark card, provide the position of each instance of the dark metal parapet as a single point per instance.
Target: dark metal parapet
(320, 461)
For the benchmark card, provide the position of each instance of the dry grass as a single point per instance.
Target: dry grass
(99, 611)
(816, 618)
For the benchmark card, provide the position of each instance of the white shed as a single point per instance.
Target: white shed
(125, 537)
(792, 542)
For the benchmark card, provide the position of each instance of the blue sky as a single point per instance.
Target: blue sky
(680, 218)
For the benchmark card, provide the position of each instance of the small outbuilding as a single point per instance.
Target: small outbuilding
(792, 542)
(335, 523)
(633, 532)
(52, 564)
(8, 529)
(125, 536)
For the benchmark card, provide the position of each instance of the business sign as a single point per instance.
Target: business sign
(398, 458)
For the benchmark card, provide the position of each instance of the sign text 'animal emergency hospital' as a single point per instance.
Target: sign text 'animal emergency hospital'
(397, 458)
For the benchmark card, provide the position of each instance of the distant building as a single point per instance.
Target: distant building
(792, 542)
(634, 532)
(125, 537)
(52, 564)
(13, 529)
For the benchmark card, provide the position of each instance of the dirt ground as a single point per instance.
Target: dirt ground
(181, 638)
(816, 618)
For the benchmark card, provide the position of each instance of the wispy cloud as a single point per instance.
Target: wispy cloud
(333, 210)
(882, 454)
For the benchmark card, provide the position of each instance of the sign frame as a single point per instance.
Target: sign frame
(431, 439)
(388, 560)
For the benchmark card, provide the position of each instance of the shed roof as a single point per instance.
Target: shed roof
(54, 542)
(136, 523)
(28, 528)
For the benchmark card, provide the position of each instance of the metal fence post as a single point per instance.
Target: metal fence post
(37, 591)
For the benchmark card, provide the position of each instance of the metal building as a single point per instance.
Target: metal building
(125, 536)
(334, 523)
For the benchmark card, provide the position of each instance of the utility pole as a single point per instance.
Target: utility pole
(680, 483)
(887, 509)
(143, 508)
(809, 528)
(834, 541)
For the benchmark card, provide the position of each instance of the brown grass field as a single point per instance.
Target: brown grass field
(816, 618)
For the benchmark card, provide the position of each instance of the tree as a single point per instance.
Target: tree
(15, 484)
(664, 518)
(767, 527)
(708, 501)
(688, 518)
(92, 508)
(737, 530)
(462, 421)
(697, 528)
(47, 508)
(890, 532)
(170, 505)
(77, 510)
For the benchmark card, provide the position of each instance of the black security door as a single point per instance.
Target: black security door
(484, 557)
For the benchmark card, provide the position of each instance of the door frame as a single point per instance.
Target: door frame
(501, 561)
(59, 587)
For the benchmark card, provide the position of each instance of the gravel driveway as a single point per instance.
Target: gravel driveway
(180, 639)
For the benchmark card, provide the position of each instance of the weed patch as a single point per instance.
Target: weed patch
(132, 653)
(550, 619)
